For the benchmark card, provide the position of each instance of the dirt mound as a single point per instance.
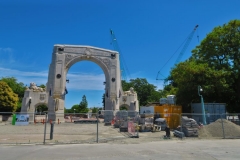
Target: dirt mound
(215, 129)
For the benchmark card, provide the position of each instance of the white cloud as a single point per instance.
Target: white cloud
(25, 77)
(6, 50)
(78, 81)
(7, 72)
(6, 55)
(85, 81)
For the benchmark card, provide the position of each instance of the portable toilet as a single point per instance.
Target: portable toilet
(171, 99)
(163, 100)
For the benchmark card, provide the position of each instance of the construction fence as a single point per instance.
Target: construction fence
(107, 126)
(210, 126)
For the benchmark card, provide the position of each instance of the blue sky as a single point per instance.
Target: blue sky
(148, 34)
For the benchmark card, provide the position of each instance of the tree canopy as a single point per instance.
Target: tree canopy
(17, 87)
(215, 65)
(146, 92)
(189, 75)
(83, 106)
(8, 99)
(221, 50)
(95, 110)
(41, 108)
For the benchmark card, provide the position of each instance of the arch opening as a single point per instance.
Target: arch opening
(85, 78)
(40, 108)
(124, 107)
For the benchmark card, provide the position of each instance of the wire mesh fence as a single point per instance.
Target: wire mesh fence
(65, 128)
(209, 126)
(69, 128)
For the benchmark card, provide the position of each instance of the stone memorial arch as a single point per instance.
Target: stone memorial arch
(65, 56)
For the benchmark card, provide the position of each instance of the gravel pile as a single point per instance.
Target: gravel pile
(215, 130)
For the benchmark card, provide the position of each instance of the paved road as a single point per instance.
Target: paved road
(186, 150)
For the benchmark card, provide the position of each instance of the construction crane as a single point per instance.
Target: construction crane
(186, 44)
(189, 38)
(123, 67)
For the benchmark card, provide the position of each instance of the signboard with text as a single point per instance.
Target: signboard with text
(22, 119)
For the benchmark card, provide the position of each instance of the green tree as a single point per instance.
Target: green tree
(146, 92)
(66, 110)
(75, 109)
(17, 87)
(42, 86)
(41, 108)
(220, 50)
(8, 99)
(123, 107)
(95, 110)
(126, 85)
(189, 74)
(83, 106)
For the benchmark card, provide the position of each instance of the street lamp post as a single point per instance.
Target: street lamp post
(202, 103)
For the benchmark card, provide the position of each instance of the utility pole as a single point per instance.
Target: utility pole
(202, 103)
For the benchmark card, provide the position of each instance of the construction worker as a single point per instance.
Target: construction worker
(167, 130)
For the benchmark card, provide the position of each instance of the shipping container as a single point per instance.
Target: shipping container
(172, 114)
(213, 111)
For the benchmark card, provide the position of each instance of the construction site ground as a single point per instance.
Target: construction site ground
(26, 142)
(71, 133)
(66, 133)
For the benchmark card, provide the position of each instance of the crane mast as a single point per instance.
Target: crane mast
(189, 38)
(186, 44)
(116, 48)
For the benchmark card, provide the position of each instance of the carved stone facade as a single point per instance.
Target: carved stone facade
(129, 100)
(33, 97)
(63, 57)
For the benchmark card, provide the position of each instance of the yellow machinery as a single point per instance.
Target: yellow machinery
(172, 114)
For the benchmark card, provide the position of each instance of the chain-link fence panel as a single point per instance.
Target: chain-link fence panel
(108, 116)
(72, 128)
(233, 117)
(17, 128)
(56, 128)
(20, 128)
(133, 120)
(122, 120)
(109, 129)
(231, 125)
(208, 126)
